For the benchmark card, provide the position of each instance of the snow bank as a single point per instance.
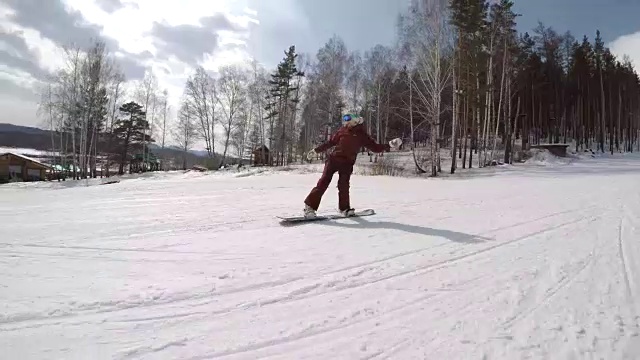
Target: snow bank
(126, 178)
(542, 157)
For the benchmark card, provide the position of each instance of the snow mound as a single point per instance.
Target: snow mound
(294, 169)
(542, 157)
(114, 179)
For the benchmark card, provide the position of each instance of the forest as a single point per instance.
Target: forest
(459, 84)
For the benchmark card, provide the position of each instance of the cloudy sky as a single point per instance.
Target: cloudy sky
(172, 36)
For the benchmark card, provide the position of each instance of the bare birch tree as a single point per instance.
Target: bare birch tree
(185, 131)
(77, 104)
(429, 42)
(258, 90)
(231, 96)
(146, 94)
(165, 108)
(116, 94)
(355, 79)
(200, 92)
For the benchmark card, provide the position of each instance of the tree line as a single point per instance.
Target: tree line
(460, 84)
(94, 118)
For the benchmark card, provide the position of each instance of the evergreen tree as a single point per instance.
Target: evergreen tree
(282, 103)
(131, 130)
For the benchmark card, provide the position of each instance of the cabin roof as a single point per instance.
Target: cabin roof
(26, 158)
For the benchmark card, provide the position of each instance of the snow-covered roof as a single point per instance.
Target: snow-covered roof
(27, 159)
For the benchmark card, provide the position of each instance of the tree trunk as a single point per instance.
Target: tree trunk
(419, 168)
(454, 121)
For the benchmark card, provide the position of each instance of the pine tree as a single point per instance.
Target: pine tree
(131, 130)
(469, 18)
(282, 101)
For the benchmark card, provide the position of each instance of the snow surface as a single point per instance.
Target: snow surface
(514, 262)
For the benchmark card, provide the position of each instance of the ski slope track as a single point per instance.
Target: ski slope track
(524, 262)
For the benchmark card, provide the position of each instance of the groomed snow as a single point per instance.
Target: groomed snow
(526, 261)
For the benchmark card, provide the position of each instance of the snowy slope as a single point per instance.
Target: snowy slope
(529, 262)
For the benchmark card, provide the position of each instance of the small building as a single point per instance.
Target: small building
(559, 150)
(261, 156)
(15, 168)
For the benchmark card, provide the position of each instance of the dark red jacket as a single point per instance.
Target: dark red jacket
(348, 141)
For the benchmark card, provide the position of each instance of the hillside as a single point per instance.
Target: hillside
(5, 128)
(26, 138)
(523, 264)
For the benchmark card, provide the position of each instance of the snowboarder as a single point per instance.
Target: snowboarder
(347, 142)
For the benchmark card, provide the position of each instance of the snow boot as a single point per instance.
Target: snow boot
(348, 212)
(309, 212)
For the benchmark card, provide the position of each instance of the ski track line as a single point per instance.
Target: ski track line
(127, 235)
(550, 294)
(93, 248)
(421, 250)
(330, 286)
(432, 295)
(313, 333)
(208, 228)
(625, 268)
(528, 222)
(627, 271)
(444, 263)
(27, 254)
(19, 318)
(385, 259)
(298, 294)
(386, 353)
(157, 249)
(293, 295)
(124, 305)
(307, 334)
(149, 349)
(306, 291)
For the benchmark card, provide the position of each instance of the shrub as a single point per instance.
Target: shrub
(384, 166)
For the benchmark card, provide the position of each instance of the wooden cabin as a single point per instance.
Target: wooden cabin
(16, 168)
(559, 150)
(261, 156)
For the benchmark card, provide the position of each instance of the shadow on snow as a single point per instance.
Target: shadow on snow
(453, 236)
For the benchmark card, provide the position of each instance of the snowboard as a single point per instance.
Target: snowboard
(284, 220)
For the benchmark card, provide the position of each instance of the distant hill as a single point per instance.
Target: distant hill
(17, 136)
(4, 128)
(24, 137)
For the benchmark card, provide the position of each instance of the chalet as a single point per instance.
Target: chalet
(15, 167)
(261, 156)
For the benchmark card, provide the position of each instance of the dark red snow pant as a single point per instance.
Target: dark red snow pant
(344, 171)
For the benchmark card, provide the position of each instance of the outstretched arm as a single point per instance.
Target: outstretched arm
(372, 145)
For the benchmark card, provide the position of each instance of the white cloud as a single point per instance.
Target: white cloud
(147, 34)
(130, 24)
(628, 45)
(15, 108)
(46, 51)
(17, 76)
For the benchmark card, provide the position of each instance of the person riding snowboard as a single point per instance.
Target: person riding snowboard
(347, 142)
